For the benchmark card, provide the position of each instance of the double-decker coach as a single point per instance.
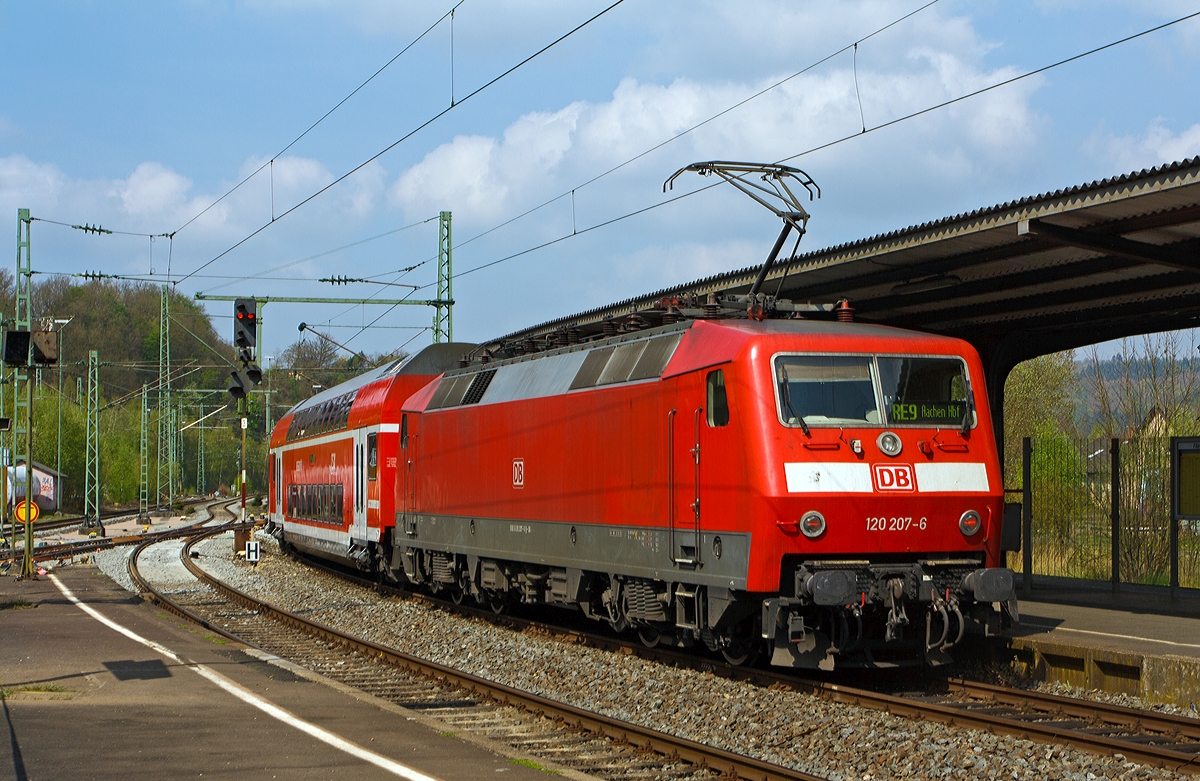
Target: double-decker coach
(333, 460)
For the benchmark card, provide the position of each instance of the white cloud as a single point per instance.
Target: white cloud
(1155, 146)
(154, 198)
(153, 190)
(544, 153)
(25, 184)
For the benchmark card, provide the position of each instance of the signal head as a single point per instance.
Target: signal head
(245, 322)
(239, 384)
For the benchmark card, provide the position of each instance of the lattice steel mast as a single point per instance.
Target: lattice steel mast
(443, 312)
(91, 472)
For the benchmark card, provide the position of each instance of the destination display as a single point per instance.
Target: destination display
(944, 413)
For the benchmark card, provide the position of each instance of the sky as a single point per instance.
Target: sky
(142, 117)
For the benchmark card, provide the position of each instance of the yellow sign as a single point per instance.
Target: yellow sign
(27, 508)
(1189, 482)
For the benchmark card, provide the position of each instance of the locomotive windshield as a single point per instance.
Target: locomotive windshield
(866, 390)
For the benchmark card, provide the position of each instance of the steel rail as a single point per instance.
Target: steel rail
(1035, 705)
(71, 549)
(670, 746)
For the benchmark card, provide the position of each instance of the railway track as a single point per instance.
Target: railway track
(72, 549)
(573, 738)
(1142, 736)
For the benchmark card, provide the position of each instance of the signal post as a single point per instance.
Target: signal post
(242, 378)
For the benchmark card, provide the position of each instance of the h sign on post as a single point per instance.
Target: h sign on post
(253, 551)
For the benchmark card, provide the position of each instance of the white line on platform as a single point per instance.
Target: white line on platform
(249, 697)
(1110, 634)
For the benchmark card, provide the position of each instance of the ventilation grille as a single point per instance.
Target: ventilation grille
(478, 387)
(463, 389)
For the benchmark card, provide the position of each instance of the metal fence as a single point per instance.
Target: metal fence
(1077, 530)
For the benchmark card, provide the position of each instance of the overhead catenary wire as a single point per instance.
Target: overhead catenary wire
(313, 126)
(603, 174)
(352, 244)
(406, 136)
(650, 150)
(698, 125)
(97, 229)
(834, 142)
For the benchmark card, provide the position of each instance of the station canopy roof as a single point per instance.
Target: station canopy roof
(1074, 267)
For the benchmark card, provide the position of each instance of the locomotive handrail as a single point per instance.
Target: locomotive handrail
(671, 483)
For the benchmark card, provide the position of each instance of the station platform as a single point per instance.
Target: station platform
(1135, 641)
(78, 695)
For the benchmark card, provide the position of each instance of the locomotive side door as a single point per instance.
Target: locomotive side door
(279, 509)
(407, 479)
(684, 426)
(358, 524)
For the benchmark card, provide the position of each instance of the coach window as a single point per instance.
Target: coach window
(718, 400)
(372, 456)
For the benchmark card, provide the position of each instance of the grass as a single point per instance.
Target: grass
(445, 734)
(216, 639)
(17, 604)
(32, 687)
(534, 766)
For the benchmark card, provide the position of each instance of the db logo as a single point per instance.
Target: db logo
(518, 473)
(893, 477)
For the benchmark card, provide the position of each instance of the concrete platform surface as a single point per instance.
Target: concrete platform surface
(1117, 627)
(1135, 641)
(84, 701)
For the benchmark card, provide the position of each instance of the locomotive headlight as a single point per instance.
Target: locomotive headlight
(812, 524)
(970, 524)
(889, 444)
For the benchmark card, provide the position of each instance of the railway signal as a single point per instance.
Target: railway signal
(240, 383)
(245, 320)
(245, 324)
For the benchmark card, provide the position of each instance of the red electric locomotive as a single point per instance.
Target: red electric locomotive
(829, 492)
(333, 460)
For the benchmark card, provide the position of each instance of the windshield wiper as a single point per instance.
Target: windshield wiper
(787, 402)
(966, 426)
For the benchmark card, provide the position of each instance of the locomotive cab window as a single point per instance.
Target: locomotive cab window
(872, 391)
(404, 432)
(718, 400)
(924, 391)
(826, 390)
(372, 456)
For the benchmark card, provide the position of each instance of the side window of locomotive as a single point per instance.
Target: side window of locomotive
(404, 432)
(826, 390)
(923, 391)
(718, 400)
(372, 456)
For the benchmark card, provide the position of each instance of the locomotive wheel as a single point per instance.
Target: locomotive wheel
(649, 636)
(741, 652)
(499, 606)
(743, 645)
(457, 595)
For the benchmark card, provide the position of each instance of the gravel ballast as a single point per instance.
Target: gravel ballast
(838, 741)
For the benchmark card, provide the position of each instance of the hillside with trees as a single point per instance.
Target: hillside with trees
(120, 321)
